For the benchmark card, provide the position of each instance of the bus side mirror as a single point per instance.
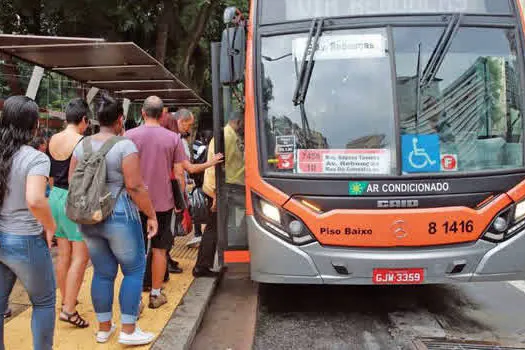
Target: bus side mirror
(233, 49)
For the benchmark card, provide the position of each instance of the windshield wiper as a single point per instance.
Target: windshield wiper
(425, 78)
(441, 50)
(305, 74)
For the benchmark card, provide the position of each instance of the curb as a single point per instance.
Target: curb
(181, 329)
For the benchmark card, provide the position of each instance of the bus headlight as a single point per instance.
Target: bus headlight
(506, 224)
(519, 211)
(280, 222)
(270, 211)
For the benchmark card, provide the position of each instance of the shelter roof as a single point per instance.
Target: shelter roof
(119, 67)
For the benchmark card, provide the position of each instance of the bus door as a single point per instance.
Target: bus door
(231, 195)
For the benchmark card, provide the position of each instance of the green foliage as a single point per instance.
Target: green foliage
(128, 20)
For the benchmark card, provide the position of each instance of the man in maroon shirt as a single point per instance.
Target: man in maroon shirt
(160, 150)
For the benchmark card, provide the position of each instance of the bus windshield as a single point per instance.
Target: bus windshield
(459, 108)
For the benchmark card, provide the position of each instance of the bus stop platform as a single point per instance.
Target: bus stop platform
(175, 323)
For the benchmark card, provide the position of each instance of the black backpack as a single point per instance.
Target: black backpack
(199, 206)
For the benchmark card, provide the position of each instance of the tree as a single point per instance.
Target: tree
(177, 32)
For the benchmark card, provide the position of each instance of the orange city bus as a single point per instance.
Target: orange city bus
(383, 140)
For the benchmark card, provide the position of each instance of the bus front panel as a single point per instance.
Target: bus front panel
(389, 141)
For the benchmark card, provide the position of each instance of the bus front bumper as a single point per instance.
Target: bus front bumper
(276, 261)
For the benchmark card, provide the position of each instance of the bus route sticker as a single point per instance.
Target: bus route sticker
(285, 161)
(338, 47)
(344, 161)
(285, 144)
(449, 162)
(285, 151)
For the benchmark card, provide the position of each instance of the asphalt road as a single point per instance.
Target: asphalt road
(403, 317)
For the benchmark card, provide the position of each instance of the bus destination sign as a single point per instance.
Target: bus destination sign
(337, 47)
(301, 9)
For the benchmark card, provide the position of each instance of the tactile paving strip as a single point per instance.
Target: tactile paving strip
(181, 251)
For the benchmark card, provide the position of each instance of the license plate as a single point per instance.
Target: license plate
(398, 276)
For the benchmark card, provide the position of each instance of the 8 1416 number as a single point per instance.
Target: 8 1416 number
(451, 227)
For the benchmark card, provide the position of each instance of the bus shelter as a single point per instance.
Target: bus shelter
(121, 68)
(130, 74)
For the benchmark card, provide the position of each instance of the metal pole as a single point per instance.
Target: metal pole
(125, 105)
(93, 91)
(34, 83)
(91, 94)
(218, 135)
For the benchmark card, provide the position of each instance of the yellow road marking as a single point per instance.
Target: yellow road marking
(67, 337)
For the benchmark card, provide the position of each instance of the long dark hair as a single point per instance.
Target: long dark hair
(17, 125)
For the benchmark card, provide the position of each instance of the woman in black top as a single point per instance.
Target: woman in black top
(73, 254)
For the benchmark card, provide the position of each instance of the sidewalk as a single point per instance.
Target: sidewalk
(67, 337)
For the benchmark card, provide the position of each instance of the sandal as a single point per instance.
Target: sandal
(73, 319)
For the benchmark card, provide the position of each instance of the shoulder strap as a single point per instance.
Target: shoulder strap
(73, 151)
(81, 139)
(88, 149)
(108, 145)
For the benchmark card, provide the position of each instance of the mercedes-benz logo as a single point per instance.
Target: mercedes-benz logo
(399, 229)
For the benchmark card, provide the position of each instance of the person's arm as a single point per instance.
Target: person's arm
(178, 172)
(209, 185)
(72, 166)
(182, 158)
(38, 204)
(199, 168)
(136, 189)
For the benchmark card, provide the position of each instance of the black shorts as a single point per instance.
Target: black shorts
(164, 237)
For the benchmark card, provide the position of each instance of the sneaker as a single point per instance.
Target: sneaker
(136, 338)
(194, 242)
(156, 301)
(103, 337)
(174, 268)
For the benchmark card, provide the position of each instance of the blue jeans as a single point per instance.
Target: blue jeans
(28, 259)
(117, 241)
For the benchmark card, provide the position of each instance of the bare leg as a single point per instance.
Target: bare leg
(158, 267)
(128, 328)
(106, 326)
(75, 275)
(63, 263)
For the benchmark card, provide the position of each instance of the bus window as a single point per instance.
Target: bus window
(472, 103)
(346, 125)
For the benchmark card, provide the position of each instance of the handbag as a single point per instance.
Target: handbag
(199, 208)
(181, 223)
(187, 222)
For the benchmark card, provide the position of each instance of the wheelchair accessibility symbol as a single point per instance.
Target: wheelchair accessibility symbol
(420, 153)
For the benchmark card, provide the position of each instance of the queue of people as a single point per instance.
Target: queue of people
(139, 169)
